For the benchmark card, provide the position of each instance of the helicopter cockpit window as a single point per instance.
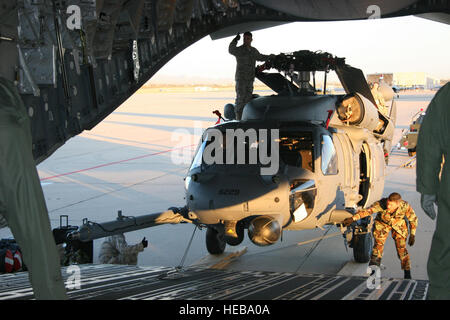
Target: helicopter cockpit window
(217, 148)
(197, 162)
(297, 150)
(329, 158)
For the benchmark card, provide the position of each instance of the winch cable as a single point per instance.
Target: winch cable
(177, 271)
(298, 244)
(311, 250)
(105, 193)
(180, 266)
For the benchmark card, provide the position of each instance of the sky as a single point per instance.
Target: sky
(375, 46)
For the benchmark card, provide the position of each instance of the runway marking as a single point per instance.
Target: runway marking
(115, 162)
(113, 191)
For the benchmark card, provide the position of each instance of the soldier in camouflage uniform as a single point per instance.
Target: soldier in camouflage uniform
(115, 250)
(75, 257)
(379, 99)
(246, 57)
(392, 212)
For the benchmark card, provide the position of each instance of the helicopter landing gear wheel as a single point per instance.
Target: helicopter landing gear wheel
(215, 241)
(362, 247)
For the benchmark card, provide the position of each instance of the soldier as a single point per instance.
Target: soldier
(392, 212)
(379, 99)
(74, 254)
(115, 250)
(246, 57)
(434, 143)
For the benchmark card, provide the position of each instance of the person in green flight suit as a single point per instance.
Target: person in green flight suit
(22, 202)
(433, 149)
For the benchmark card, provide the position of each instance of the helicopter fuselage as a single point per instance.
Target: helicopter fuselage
(323, 166)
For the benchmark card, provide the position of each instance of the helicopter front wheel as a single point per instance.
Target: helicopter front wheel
(362, 247)
(215, 241)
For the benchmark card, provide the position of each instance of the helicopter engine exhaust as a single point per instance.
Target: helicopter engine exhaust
(264, 231)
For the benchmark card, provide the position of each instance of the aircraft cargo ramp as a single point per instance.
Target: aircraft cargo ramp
(199, 283)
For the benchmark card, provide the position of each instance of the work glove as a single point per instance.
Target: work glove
(348, 221)
(182, 210)
(427, 202)
(144, 243)
(237, 38)
(412, 239)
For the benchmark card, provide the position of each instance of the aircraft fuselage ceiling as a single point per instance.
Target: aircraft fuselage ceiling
(75, 62)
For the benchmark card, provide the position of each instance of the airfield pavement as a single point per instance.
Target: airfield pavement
(126, 163)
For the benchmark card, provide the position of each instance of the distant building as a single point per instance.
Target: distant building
(378, 77)
(415, 80)
(406, 80)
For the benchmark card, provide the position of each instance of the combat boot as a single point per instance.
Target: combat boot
(407, 274)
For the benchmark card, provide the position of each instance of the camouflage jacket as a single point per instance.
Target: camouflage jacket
(77, 257)
(395, 220)
(117, 246)
(246, 58)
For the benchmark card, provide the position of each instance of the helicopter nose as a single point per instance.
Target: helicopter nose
(235, 196)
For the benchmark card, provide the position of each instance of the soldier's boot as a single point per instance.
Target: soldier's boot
(375, 261)
(407, 274)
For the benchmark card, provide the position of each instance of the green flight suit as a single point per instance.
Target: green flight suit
(433, 144)
(22, 201)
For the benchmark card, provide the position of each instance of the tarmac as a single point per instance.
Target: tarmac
(135, 161)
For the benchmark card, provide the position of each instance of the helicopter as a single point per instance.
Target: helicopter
(298, 159)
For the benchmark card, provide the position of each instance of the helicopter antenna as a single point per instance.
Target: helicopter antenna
(325, 82)
(314, 80)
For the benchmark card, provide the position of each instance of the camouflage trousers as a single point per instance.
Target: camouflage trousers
(244, 92)
(380, 233)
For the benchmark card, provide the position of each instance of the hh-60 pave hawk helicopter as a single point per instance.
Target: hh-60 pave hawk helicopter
(325, 158)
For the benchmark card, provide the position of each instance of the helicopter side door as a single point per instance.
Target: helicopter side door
(348, 166)
(327, 178)
(374, 157)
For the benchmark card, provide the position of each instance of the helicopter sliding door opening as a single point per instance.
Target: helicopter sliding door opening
(364, 175)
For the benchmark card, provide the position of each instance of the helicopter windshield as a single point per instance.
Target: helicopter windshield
(234, 147)
(297, 150)
(197, 162)
(329, 158)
